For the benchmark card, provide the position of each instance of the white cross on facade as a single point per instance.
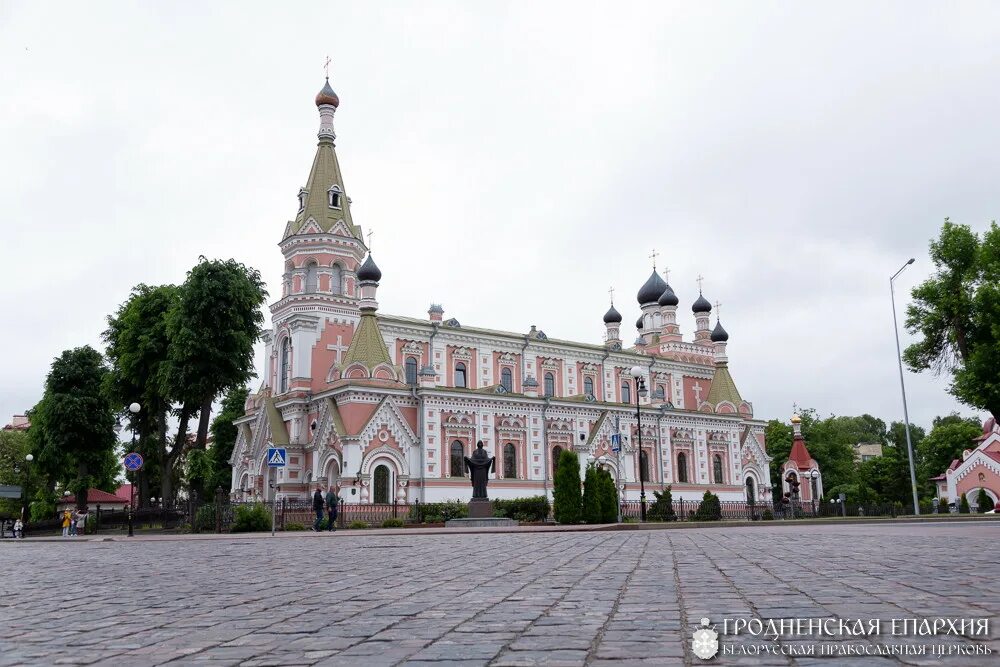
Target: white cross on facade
(340, 348)
(697, 393)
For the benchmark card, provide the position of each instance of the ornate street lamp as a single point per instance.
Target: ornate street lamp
(641, 391)
(134, 409)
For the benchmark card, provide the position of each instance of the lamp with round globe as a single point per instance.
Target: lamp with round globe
(636, 372)
(813, 475)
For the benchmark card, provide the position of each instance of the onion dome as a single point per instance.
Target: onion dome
(369, 271)
(796, 419)
(612, 316)
(668, 298)
(701, 305)
(327, 96)
(652, 289)
(638, 323)
(719, 334)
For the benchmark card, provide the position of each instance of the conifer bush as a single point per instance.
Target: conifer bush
(963, 506)
(591, 496)
(608, 496)
(662, 508)
(710, 509)
(567, 500)
(984, 502)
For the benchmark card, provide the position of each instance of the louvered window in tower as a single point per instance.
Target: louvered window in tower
(333, 197)
(312, 277)
(302, 198)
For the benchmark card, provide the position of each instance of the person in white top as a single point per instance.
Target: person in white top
(18, 529)
(81, 522)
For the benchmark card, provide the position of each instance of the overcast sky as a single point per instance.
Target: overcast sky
(514, 161)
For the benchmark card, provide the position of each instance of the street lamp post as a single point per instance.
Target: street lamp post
(640, 391)
(25, 491)
(134, 409)
(902, 388)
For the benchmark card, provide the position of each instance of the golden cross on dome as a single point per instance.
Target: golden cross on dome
(370, 232)
(611, 292)
(653, 256)
(326, 66)
(701, 279)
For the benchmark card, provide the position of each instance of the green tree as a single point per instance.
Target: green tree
(566, 499)
(710, 508)
(608, 496)
(14, 447)
(75, 419)
(984, 502)
(663, 508)
(224, 433)
(963, 505)
(212, 332)
(888, 476)
(956, 313)
(591, 496)
(949, 437)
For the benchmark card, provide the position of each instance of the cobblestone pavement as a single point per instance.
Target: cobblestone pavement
(576, 598)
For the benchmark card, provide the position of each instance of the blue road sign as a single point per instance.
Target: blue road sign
(616, 442)
(276, 457)
(133, 461)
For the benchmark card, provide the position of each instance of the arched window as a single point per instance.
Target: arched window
(717, 468)
(682, 467)
(644, 466)
(333, 197)
(302, 198)
(661, 391)
(550, 384)
(283, 366)
(411, 370)
(381, 484)
(588, 386)
(509, 461)
(814, 486)
(457, 459)
(507, 379)
(460, 374)
(337, 279)
(626, 392)
(751, 496)
(312, 278)
(556, 453)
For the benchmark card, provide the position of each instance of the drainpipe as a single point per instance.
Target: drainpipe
(524, 361)
(607, 353)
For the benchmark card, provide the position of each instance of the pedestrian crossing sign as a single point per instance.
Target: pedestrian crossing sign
(616, 442)
(276, 457)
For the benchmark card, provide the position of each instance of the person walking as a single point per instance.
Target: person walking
(332, 503)
(18, 529)
(81, 522)
(318, 508)
(65, 523)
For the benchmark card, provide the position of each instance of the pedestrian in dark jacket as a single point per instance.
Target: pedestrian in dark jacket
(332, 501)
(318, 507)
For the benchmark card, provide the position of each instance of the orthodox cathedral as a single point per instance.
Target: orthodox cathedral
(387, 406)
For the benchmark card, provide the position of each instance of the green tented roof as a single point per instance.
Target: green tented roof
(279, 435)
(324, 174)
(723, 388)
(367, 347)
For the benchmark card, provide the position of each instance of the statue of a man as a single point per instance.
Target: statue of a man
(480, 466)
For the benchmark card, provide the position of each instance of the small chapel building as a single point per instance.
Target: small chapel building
(979, 468)
(387, 406)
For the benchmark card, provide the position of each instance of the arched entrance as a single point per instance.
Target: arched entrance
(751, 491)
(382, 484)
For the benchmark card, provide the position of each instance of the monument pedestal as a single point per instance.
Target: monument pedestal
(480, 516)
(480, 508)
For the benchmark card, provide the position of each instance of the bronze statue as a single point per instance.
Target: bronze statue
(480, 466)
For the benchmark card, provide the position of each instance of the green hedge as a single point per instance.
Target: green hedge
(533, 508)
(251, 519)
(392, 523)
(438, 512)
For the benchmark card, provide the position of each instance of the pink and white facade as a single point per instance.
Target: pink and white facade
(978, 469)
(801, 467)
(385, 406)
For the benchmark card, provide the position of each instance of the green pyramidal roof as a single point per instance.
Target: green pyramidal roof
(325, 173)
(367, 347)
(723, 388)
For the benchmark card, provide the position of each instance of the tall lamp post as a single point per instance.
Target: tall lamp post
(134, 409)
(902, 388)
(640, 391)
(24, 492)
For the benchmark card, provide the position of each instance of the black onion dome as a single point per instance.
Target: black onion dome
(719, 334)
(652, 289)
(612, 316)
(369, 271)
(638, 323)
(668, 298)
(701, 305)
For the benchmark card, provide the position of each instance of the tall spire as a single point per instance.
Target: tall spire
(324, 199)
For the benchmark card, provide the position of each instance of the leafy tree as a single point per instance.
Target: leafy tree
(984, 502)
(888, 476)
(956, 313)
(14, 446)
(75, 420)
(591, 499)
(949, 437)
(212, 332)
(963, 505)
(566, 493)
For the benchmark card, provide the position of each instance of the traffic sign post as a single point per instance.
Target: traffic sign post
(277, 457)
(133, 463)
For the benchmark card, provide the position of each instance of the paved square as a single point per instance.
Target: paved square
(570, 598)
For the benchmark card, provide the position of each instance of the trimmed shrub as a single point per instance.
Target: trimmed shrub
(294, 527)
(767, 515)
(710, 509)
(437, 512)
(433, 518)
(358, 525)
(984, 502)
(392, 523)
(251, 519)
(591, 505)
(608, 496)
(566, 495)
(662, 508)
(532, 508)
(963, 506)
(926, 507)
